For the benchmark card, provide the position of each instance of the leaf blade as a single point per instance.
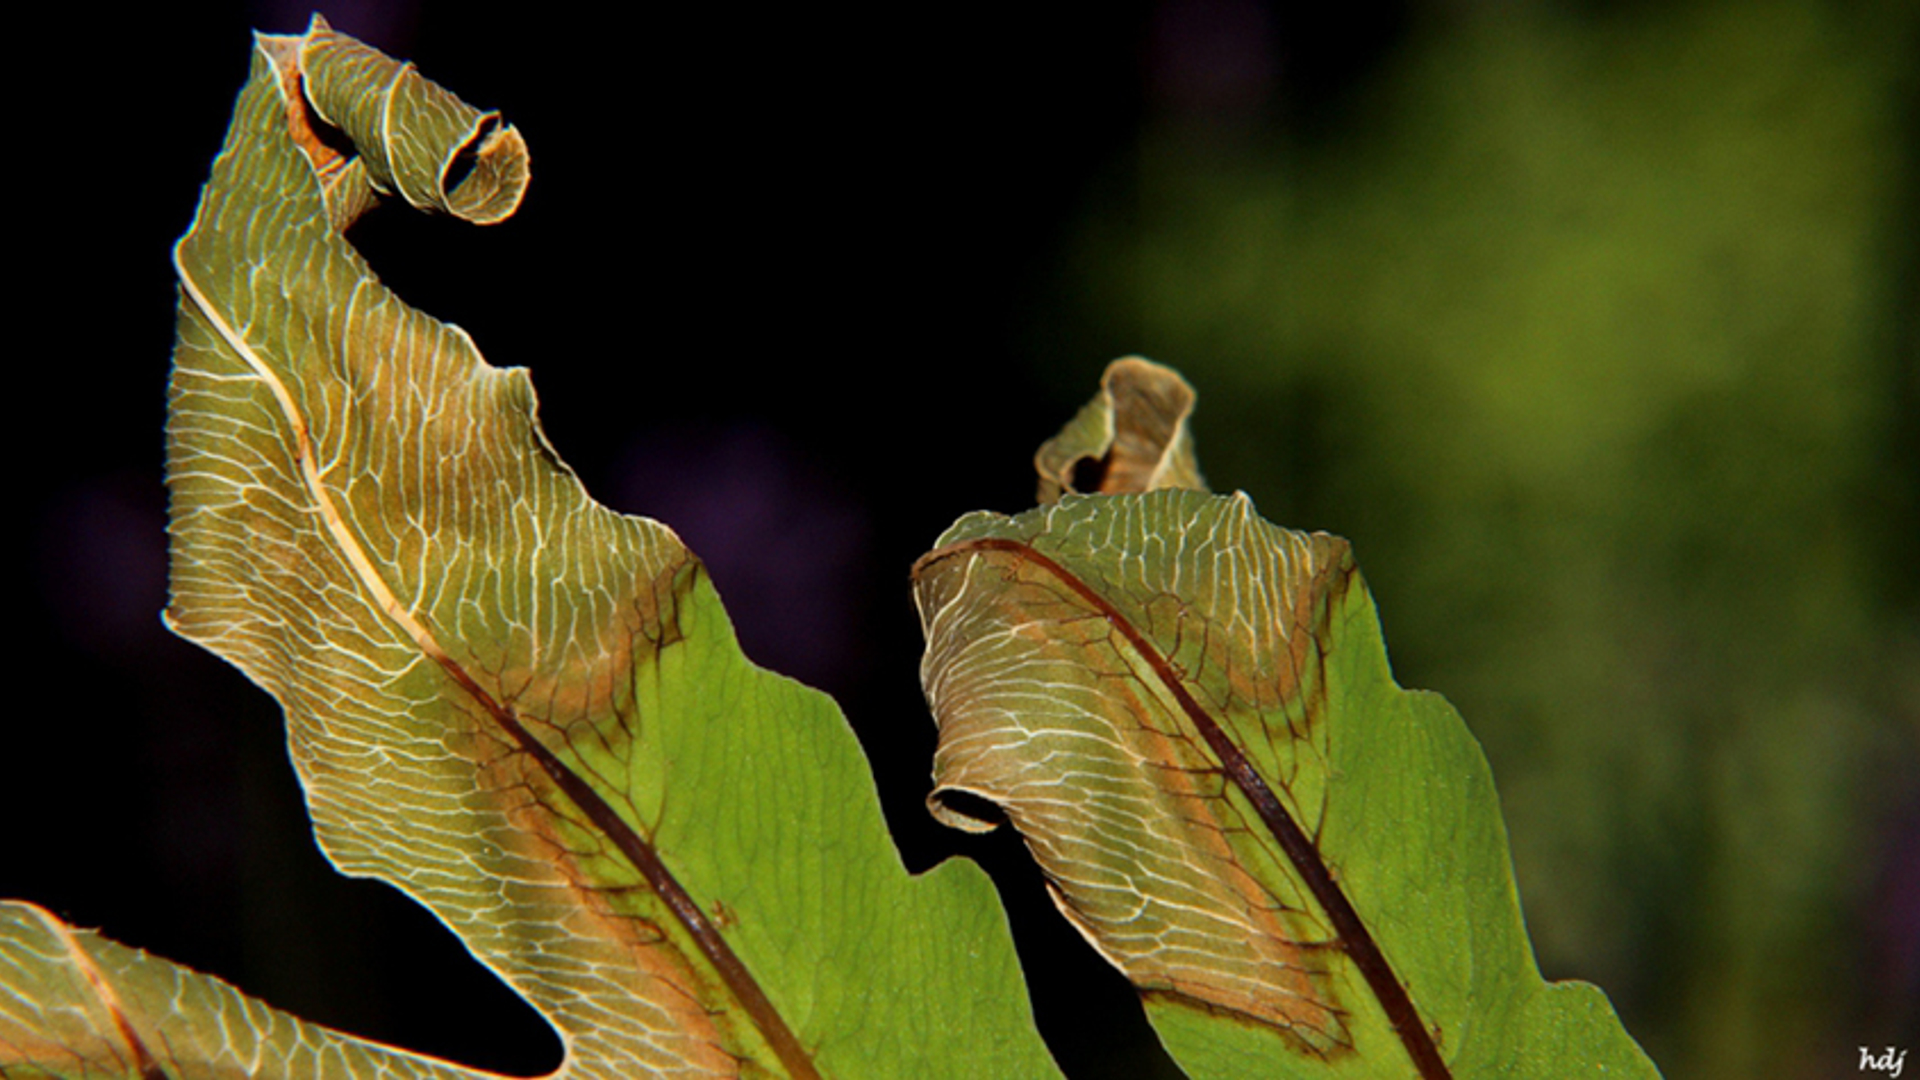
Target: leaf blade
(1078, 656)
(523, 709)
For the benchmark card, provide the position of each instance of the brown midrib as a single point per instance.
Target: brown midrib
(746, 990)
(1354, 938)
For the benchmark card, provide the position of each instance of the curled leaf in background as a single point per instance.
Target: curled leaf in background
(1187, 713)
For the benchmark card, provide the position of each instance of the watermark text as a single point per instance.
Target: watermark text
(1889, 1061)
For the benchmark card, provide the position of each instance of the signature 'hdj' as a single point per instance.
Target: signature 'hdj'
(1891, 1062)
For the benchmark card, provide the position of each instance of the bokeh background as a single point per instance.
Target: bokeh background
(1594, 325)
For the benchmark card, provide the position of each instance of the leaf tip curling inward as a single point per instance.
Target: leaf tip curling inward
(1133, 436)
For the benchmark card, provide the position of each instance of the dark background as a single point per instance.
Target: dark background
(807, 285)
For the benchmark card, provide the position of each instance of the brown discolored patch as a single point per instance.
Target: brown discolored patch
(1192, 763)
(317, 139)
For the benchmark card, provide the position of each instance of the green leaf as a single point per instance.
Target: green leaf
(524, 710)
(1187, 713)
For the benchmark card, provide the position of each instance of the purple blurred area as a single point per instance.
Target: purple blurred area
(785, 542)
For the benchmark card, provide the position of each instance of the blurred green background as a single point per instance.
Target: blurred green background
(1593, 327)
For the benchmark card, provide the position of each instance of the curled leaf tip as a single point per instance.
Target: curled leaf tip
(370, 125)
(1132, 437)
